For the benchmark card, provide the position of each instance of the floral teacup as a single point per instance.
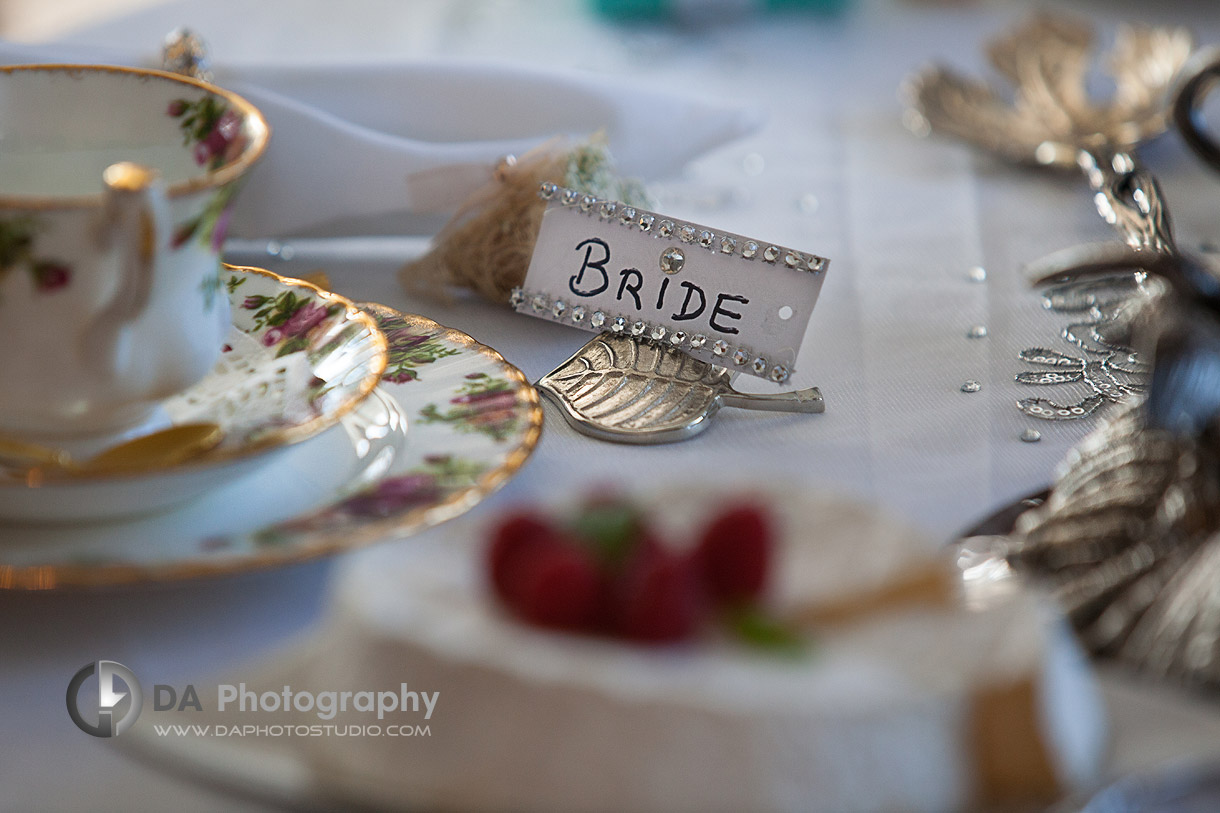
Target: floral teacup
(115, 187)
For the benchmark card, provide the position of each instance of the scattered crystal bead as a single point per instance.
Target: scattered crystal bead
(665, 228)
(706, 238)
(977, 332)
(646, 222)
(677, 338)
(627, 215)
(720, 347)
(539, 302)
(516, 298)
(728, 245)
(779, 374)
(1031, 436)
(638, 328)
(749, 249)
(697, 341)
(658, 333)
(771, 254)
(672, 260)
(618, 324)
(760, 365)
(687, 233)
(740, 357)
(977, 274)
(578, 313)
(569, 197)
(597, 318)
(586, 203)
(547, 190)
(607, 210)
(558, 308)
(971, 386)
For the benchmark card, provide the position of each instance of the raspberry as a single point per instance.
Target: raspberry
(734, 554)
(659, 598)
(558, 585)
(511, 538)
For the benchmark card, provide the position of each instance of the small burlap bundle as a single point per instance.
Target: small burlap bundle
(487, 245)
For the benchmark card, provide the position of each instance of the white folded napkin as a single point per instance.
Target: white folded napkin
(352, 141)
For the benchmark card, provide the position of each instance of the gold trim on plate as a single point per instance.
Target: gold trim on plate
(53, 577)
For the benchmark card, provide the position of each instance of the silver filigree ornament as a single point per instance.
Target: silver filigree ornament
(1052, 118)
(1129, 537)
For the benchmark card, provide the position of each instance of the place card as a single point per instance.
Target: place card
(724, 298)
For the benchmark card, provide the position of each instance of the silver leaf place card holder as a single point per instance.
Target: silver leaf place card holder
(679, 308)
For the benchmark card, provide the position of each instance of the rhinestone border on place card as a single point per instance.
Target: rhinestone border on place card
(683, 238)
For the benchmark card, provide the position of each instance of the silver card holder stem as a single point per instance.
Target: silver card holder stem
(628, 390)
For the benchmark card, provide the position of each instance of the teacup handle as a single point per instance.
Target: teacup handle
(1199, 76)
(135, 217)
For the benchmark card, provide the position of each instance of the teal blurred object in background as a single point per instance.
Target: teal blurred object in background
(707, 11)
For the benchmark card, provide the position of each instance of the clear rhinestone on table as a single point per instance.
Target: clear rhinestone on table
(558, 308)
(547, 190)
(759, 365)
(672, 260)
(749, 249)
(569, 197)
(539, 303)
(638, 328)
(706, 238)
(977, 273)
(586, 203)
(597, 318)
(618, 324)
(720, 347)
(1030, 436)
(977, 332)
(771, 254)
(645, 222)
(665, 228)
(658, 333)
(741, 356)
(626, 216)
(792, 259)
(516, 298)
(971, 386)
(779, 374)
(578, 313)
(697, 341)
(677, 338)
(728, 245)
(687, 233)
(607, 210)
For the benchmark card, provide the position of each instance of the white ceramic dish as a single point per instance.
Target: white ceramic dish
(474, 419)
(296, 360)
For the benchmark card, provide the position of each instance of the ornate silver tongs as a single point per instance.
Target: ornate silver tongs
(1051, 119)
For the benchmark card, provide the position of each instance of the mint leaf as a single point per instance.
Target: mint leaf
(753, 626)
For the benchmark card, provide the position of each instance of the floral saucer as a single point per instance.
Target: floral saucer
(296, 360)
(474, 420)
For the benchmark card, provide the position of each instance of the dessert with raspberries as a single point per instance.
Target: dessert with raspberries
(702, 650)
(606, 570)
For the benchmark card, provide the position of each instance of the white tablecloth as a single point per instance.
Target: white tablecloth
(832, 171)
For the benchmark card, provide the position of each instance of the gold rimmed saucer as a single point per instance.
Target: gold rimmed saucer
(296, 360)
(475, 420)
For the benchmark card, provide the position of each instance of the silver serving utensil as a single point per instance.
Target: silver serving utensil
(1052, 121)
(619, 389)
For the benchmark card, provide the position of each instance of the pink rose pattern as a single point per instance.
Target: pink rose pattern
(17, 251)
